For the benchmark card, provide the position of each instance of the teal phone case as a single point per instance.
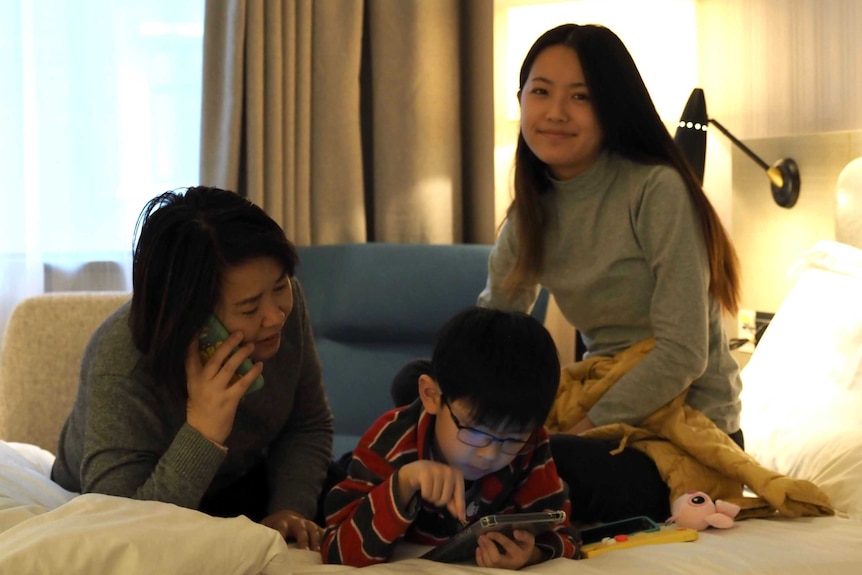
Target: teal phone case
(212, 336)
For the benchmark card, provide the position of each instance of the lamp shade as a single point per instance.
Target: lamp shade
(690, 134)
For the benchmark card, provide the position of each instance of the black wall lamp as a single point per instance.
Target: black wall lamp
(690, 136)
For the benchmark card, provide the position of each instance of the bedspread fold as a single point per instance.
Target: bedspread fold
(687, 447)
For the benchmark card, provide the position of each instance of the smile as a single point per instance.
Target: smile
(556, 134)
(270, 339)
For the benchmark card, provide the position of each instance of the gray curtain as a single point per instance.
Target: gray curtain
(354, 120)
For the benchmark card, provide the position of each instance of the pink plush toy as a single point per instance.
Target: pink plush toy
(696, 510)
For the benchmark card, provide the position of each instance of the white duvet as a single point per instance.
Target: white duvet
(45, 529)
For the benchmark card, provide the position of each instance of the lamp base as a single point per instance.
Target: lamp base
(786, 194)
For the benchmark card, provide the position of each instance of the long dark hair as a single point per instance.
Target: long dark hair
(185, 242)
(632, 129)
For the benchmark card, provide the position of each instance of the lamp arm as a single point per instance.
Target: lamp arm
(783, 174)
(742, 146)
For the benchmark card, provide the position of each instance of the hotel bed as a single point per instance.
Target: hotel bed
(803, 397)
(46, 530)
(802, 402)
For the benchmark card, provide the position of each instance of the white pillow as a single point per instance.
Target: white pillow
(46, 529)
(25, 487)
(96, 533)
(802, 394)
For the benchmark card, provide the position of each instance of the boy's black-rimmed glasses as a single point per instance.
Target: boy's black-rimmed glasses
(478, 438)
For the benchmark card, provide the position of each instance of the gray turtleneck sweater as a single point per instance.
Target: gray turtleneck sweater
(625, 260)
(128, 436)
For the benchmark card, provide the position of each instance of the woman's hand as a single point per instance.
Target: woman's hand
(213, 397)
(496, 550)
(292, 525)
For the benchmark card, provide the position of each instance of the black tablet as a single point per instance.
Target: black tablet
(462, 546)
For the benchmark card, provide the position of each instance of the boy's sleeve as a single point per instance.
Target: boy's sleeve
(363, 519)
(543, 490)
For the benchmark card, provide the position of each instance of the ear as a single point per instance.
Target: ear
(727, 508)
(429, 393)
(519, 97)
(719, 520)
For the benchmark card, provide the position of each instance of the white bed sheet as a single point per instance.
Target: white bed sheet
(43, 526)
(817, 545)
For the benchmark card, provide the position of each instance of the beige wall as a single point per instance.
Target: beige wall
(785, 76)
(774, 68)
(771, 238)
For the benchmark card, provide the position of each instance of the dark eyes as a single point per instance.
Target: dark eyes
(277, 289)
(578, 96)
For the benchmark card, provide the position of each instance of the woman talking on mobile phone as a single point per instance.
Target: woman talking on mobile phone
(154, 419)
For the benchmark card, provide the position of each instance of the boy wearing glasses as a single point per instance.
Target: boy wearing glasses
(473, 444)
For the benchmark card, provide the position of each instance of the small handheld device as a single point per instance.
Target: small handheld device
(620, 542)
(212, 336)
(460, 547)
(630, 526)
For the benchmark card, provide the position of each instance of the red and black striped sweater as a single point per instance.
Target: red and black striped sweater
(365, 523)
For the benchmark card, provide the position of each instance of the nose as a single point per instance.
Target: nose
(557, 110)
(274, 315)
(490, 451)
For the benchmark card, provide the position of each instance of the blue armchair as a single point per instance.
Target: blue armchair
(376, 306)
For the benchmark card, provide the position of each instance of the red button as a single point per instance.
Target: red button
(621, 538)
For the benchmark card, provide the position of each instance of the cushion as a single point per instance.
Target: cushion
(802, 394)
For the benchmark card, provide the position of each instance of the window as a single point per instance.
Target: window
(99, 112)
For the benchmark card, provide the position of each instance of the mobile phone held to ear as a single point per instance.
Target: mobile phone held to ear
(462, 546)
(212, 336)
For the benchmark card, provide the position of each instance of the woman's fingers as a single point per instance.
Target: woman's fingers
(293, 526)
(241, 385)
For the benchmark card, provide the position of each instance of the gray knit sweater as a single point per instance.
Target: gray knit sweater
(128, 436)
(625, 260)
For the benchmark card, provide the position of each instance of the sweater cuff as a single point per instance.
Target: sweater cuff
(193, 455)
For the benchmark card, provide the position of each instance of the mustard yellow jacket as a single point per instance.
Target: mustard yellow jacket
(691, 453)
